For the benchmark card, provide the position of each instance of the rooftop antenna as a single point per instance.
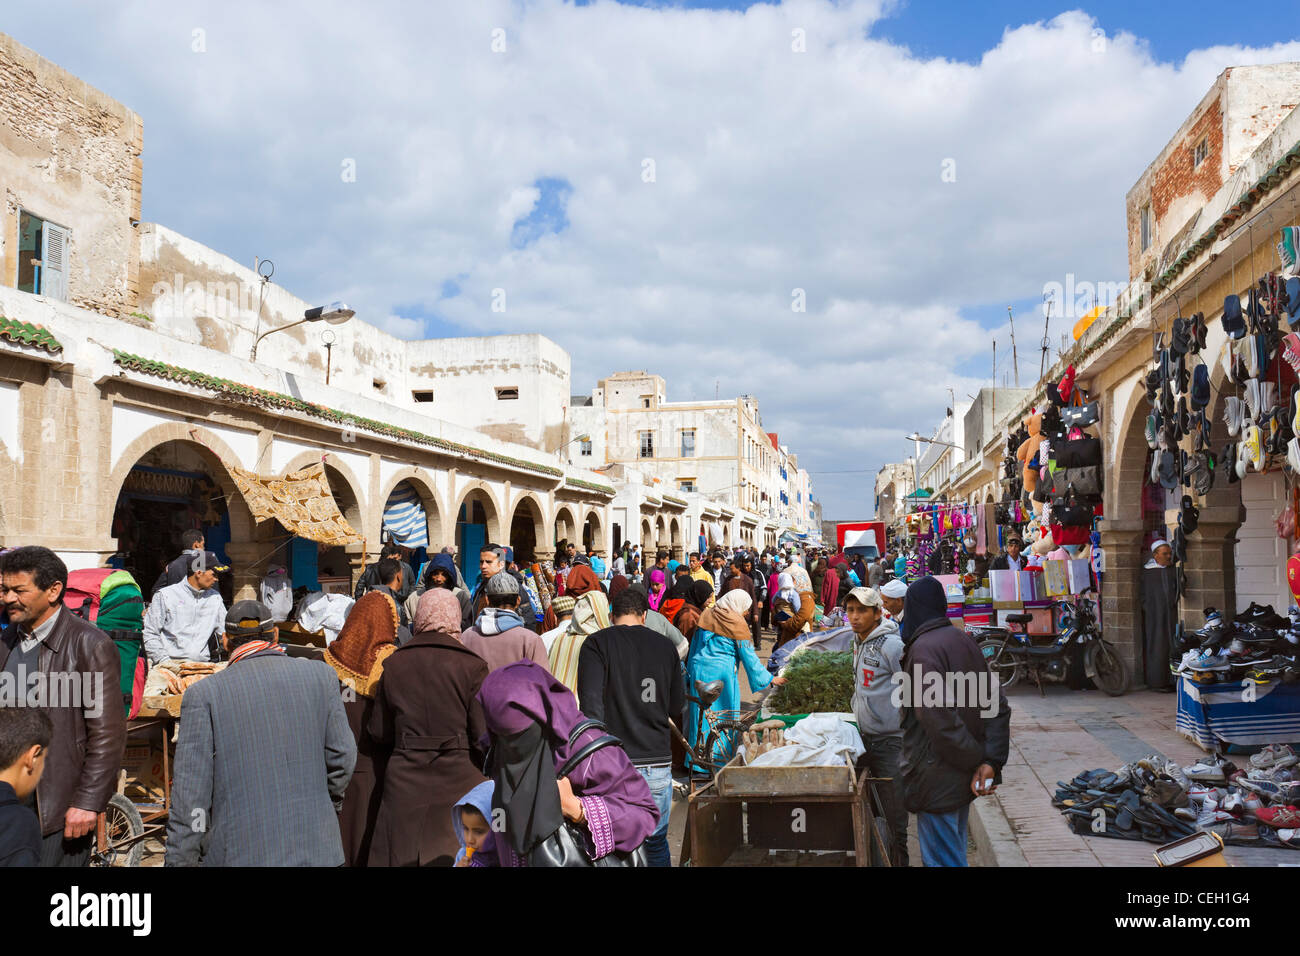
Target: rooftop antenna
(1047, 342)
(1015, 360)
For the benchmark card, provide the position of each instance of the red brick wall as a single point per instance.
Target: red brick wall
(1174, 179)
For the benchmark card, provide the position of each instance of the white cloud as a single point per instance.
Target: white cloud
(774, 170)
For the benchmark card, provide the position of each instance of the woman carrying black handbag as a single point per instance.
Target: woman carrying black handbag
(566, 794)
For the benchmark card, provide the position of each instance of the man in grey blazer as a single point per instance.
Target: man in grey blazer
(263, 757)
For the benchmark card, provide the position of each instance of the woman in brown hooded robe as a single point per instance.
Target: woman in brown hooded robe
(427, 719)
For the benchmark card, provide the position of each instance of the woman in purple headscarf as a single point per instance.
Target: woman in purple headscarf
(658, 588)
(530, 717)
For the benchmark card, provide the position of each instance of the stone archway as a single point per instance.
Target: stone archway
(661, 533)
(481, 507)
(675, 539)
(425, 488)
(566, 526)
(527, 535)
(647, 537)
(593, 532)
(168, 453)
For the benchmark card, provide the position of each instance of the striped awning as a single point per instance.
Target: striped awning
(404, 517)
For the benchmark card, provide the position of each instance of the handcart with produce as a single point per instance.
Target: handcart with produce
(791, 786)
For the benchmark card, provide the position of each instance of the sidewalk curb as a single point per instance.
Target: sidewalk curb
(990, 830)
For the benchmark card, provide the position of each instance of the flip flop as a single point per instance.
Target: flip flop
(1200, 393)
(1168, 472)
(1233, 323)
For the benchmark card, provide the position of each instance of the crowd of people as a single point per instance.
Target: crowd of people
(518, 722)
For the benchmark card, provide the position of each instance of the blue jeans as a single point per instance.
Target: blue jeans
(660, 780)
(943, 837)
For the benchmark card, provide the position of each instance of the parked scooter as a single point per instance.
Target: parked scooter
(1012, 654)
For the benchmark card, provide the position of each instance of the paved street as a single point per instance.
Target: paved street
(1054, 738)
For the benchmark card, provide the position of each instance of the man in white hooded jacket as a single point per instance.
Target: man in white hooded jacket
(877, 655)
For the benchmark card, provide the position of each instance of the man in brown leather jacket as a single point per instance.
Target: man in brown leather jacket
(80, 691)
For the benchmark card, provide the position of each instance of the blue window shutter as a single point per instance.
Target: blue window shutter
(54, 262)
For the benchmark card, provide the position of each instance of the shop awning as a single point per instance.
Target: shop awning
(715, 533)
(300, 501)
(405, 519)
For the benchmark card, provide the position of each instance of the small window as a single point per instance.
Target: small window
(584, 448)
(379, 384)
(688, 442)
(685, 484)
(508, 393)
(426, 396)
(645, 400)
(1144, 226)
(1201, 152)
(647, 444)
(42, 257)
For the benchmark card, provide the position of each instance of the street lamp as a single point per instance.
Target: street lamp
(571, 441)
(336, 313)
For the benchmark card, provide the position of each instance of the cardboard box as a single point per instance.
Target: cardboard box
(143, 765)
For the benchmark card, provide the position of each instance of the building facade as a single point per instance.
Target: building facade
(134, 387)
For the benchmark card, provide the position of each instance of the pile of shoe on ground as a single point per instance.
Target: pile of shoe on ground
(1156, 800)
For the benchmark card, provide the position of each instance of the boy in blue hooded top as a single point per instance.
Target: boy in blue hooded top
(471, 819)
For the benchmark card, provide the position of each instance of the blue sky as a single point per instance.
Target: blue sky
(776, 170)
(966, 29)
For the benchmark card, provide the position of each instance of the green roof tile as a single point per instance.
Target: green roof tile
(26, 333)
(579, 483)
(262, 398)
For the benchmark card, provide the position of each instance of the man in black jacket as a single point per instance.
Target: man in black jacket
(1009, 560)
(72, 669)
(629, 678)
(956, 725)
(179, 568)
(371, 579)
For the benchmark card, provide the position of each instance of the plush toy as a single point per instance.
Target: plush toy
(1028, 449)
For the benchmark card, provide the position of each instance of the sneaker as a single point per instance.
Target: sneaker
(1232, 415)
(1209, 768)
(1274, 755)
(1211, 817)
(1279, 817)
(1274, 774)
(1268, 789)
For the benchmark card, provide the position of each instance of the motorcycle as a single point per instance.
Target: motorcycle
(1012, 654)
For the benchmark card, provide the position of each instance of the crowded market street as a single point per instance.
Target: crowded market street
(665, 435)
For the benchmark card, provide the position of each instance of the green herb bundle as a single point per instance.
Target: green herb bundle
(816, 682)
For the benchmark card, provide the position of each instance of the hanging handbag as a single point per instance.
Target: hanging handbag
(568, 845)
(1081, 415)
(1080, 453)
(1085, 482)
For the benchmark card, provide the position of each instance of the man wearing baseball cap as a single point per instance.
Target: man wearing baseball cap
(877, 655)
(248, 788)
(185, 620)
(499, 635)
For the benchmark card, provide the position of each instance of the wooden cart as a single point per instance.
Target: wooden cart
(785, 808)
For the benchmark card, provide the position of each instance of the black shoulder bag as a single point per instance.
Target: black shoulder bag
(567, 846)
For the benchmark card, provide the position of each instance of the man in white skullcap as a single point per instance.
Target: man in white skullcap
(892, 595)
(1162, 555)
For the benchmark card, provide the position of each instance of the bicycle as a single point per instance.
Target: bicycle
(724, 728)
